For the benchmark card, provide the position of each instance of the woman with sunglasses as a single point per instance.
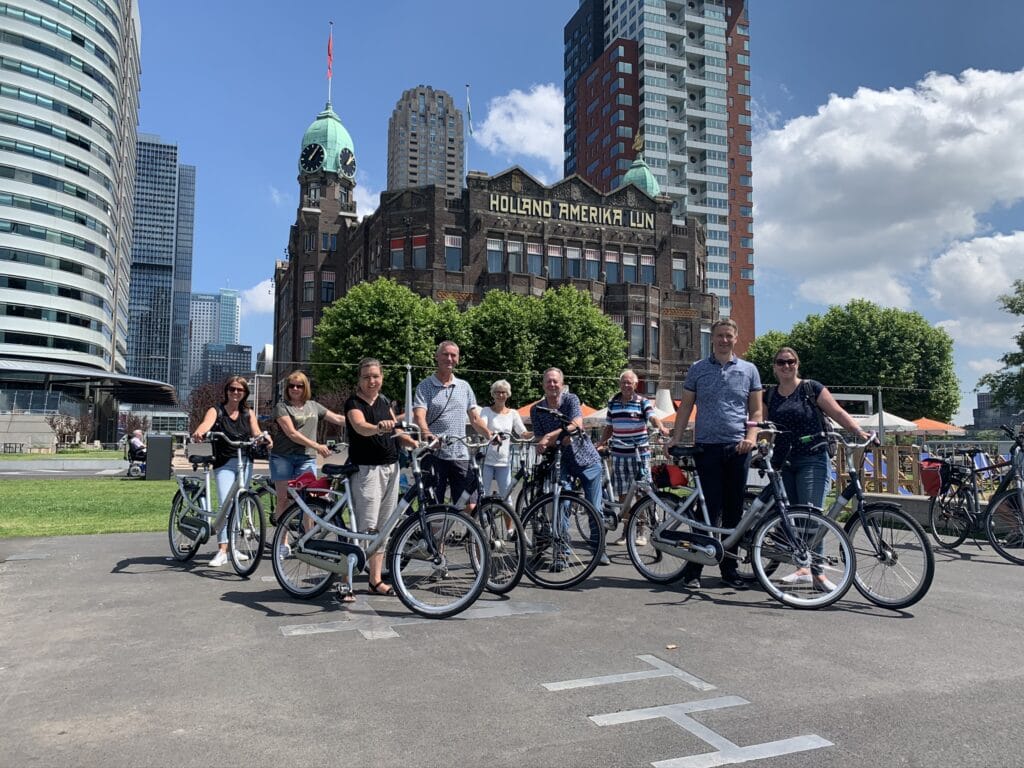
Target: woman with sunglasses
(238, 422)
(796, 406)
(298, 416)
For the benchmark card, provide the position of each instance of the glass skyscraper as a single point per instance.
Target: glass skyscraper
(69, 97)
(161, 272)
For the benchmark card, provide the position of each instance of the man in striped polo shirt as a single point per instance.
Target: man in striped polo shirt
(628, 414)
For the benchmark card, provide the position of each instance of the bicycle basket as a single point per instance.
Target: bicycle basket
(669, 476)
(935, 476)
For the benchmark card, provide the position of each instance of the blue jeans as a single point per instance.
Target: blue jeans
(592, 480)
(503, 475)
(806, 479)
(225, 477)
(288, 466)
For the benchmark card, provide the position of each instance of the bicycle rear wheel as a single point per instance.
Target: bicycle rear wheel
(183, 548)
(950, 517)
(246, 534)
(895, 564)
(441, 585)
(644, 518)
(296, 577)
(1004, 525)
(563, 545)
(504, 533)
(813, 572)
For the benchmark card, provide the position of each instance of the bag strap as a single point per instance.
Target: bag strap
(808, 394)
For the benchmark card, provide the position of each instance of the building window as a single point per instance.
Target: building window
(310, 242)
(636, 338)
(592, 264)
(611, 267)
(647, 268)
(535, 258)
(515, 256)
(575, 263)
(398, 253)
(494, 256)
(655, 346)
(554, 262)
(453, 253)
(327, 287)
(325, 240)
(679, 274)
(419, 252)
(307, 286)
(629, 267)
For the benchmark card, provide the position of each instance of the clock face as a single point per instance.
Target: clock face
(347, 162)
(312, 158)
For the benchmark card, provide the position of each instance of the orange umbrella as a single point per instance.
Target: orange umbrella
(524, 412)
(669, 420)
(933, 427)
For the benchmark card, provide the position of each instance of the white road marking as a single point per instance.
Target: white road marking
(30, 556)
(661, 669)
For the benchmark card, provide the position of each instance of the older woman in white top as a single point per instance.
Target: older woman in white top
(500, 418)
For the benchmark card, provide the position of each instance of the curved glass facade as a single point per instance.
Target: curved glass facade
(69, 105)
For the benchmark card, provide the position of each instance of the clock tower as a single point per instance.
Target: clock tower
(306, 282)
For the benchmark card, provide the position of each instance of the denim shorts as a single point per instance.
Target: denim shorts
(290, 465)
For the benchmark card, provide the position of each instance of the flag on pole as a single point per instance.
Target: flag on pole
(469, 111)
(330, 52)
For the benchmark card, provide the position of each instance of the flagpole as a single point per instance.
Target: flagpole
(330, 59)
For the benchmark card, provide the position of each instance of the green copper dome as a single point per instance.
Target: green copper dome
(329, 133)
(640, 176)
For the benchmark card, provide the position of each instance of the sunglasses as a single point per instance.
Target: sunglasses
(296, 386)
(236, 389)
(785, 361)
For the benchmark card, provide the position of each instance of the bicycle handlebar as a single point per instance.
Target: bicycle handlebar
(250, 441)
(837, 437)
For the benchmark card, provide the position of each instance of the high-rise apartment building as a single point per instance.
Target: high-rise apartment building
(690, 101)
(213, 319)
(161, 264)
(425, 142)
(68, 117)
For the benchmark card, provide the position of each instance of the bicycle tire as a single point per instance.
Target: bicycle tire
(508, 554)
(950, 517)
(745, 548)
(836, 559)
(297, 578)
(448, 584)
(897, 570)
(559, 559)
(182, 547)
(268, 501)
(247, 534)
(651, 563)
(1004, 525)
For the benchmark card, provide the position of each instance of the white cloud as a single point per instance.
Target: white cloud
(526, 125)
(276, 196)
(258, 300)
(984, 365)
(970, 275)
(366, 196)
(861, 195)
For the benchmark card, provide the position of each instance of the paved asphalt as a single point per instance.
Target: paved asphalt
(112, 655)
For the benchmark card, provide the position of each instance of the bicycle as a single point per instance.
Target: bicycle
(612, 509)
(783, 539)
(564, 533)
(895, 563)
(264, 489)
(438, 557)
(192, 521)
(953, 513)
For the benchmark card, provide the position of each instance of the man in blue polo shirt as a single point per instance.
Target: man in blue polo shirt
(727, 393)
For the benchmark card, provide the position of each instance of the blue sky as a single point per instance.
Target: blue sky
(886, 163)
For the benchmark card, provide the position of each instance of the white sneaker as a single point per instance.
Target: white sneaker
(797, 578)
(826, 584)
(241, 556)
(221, 558)
(284, 551)
(619, 542)
(641, 540)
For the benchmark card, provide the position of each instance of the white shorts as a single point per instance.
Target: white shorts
(374, 494)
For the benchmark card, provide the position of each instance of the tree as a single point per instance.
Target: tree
(200, 400)
(133, 421)
(761, 353)
(389, 322)
(863, 346)
(1007, 384)
(333, 400)
(503, 345)
(573, 334)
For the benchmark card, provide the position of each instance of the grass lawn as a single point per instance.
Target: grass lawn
(62, 455)
(59, 507)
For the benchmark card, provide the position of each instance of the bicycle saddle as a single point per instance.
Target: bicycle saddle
(197, 461)
(339, 470)
(685, 451)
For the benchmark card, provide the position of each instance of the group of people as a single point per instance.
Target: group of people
(726, 390)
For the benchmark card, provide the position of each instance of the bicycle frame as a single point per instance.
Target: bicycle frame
(199, 498)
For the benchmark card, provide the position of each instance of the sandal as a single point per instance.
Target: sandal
(345, 593)
(380, 588)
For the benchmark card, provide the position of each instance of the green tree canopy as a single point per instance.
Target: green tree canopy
(862, 346)
(503, 345)
(1007, 384)
(385, 320)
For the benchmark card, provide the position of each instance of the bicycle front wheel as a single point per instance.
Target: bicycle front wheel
(563, 545)
(644, 519)
(246, 534)
(895, 564)
(447, 581)
(297, 577)
(1004, 525)
(183, 548)
(504, 533)
(949, 517)
(813, 571)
